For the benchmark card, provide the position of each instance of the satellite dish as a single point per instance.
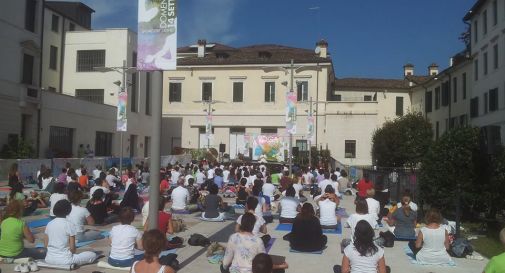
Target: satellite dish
(317, 50)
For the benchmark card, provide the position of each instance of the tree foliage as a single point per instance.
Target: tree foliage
(18, 149)
(451, 164)
(402, 142)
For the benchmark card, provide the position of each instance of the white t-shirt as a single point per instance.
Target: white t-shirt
(412, 205)
(362, 264)
(78, 217)
(259, 208)
(257, 225)
(110, 180)
(55, 197)
(46, 182)
(353, 220)
(58, 251)
(200, 178)
(78, 172)
(186, 179)
(175, 176)
(288, 207)
(298, 188)
(307, 177)
(268, 190)
(123, 239)
(94, 188)
(210, 173)
(327, 212)
(226, 176)
(145, 212)
(180, 197)
(323, 184)
(96, 174)
(373, 207)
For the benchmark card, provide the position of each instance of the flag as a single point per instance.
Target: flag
(291, 112)
(121, 111)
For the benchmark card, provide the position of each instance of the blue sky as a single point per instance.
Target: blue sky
(367, 38)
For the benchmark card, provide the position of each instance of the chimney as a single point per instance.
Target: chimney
(201, 48)
(322, 48)
(408, 70)
(433, 69)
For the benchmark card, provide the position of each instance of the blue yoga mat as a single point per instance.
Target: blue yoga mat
(405, 238)
(38, 223)
(313, 252)
(288, 227)
(269, 245)
(284, 227)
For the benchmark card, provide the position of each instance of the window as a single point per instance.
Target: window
(428, 107)
(437, 98)
(493, 100)
(455, 89)
(30, 12)
(367, 98)
(301, 144)
(495, 13)
(93, 95)
(484, 23)
(463, 121)
(463, 79)
(269, 130)
(87, 60)
(269, 91)
(133, 145)
(485, 63)
(399, 106)
(147, 146)
(28, 61)
(474, 107)
(61, 141)
(437, 130)
(55, 23)
(103, 144)
(302, 91)
(148, 93)
(495, 56)
(53, 57)
(476, 69)
(445, 93)
(206, 91)
(238, 92)
(71, 27)
(174, 92)
(475, 31)
(486, 103)
(133, 94)
(350, 149)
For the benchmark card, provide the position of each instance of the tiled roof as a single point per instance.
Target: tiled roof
(474, 10)
(256, 54)
(417, 79)
(367, 83)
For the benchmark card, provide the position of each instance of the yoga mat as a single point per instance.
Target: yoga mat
(81, 244)
(313, 252)
(181, 212)
(39, 223)
(284, 227)
(412, 258)
(103, 264)
(41, 211)
(341, 212)
(41, 263)
(406, 239)
(269, 245)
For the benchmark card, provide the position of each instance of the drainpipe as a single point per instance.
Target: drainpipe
(39, 112)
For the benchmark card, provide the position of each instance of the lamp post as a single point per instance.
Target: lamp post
(209, 111)
(123, 70)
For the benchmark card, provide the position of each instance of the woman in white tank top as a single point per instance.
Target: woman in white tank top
(153, 241)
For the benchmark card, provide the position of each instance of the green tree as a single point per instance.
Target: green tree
(402, 142)
(494, 190)
(17, 150)
(449, 166)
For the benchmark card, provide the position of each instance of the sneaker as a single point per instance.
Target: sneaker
(33, 266)
(23, 268)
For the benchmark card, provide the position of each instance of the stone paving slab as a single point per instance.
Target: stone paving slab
(298, 262)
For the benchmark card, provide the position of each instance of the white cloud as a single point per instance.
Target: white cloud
(210, 20)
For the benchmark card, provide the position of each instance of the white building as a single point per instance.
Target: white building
(487, 105)
(85, 51)
(20, 51)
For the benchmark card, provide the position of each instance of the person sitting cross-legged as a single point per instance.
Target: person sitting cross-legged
(307, 234)
(181, 197)
(213, 203)
(124, 240)
(154, 242)
(289, 206)
(80, 216)
(260, 224)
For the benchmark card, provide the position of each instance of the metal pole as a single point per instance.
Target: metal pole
(123, 89)
(208, 113)
(154, 183)
(290, 152)
(309, 139)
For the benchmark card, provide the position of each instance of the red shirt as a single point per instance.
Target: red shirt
(363, 187)
(163, 219)
(164, 185)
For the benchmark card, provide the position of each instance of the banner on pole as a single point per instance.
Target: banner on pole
(121, 111)
(208, 125)
(291, 112)
(310, 128)
(157, 35)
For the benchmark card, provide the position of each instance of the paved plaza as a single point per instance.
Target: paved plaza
(193, 259)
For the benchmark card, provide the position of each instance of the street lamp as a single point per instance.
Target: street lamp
(209, 111)
(123, 70)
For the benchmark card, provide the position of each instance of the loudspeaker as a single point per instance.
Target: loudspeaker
(490, 139)
(222, 148)
(295, 151)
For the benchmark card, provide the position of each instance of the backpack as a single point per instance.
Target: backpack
(170, 260)
(460, 248)
(178, 225)
(389, 238)
(175, 242)
(198, 240)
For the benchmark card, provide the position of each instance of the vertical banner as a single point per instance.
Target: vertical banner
(121, 111)
(208, 125)
(291, 112)
(310, 129)
(157, 35)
